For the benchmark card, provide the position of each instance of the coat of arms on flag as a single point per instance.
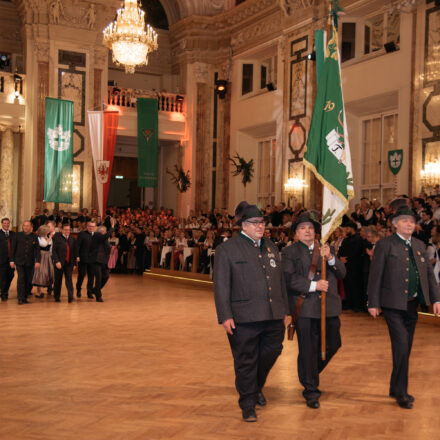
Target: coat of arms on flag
(102, 170)
(147, 134)
(59, 139)
(395, 159)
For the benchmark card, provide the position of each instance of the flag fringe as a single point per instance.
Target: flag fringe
(337, 222)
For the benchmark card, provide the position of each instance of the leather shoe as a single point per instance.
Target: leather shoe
(41, 295)
(261, 400)
(70, 300)
(313, 403)
(78, 294)
(99, 300)
(410, 398)
(57, 300)
(89, 295)
(249, 415)
(404, 402)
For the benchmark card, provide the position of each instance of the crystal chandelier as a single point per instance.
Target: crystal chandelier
(430, 175)
(295, 185)
(127, 37)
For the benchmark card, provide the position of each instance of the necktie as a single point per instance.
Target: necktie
(67, 252)
(9, 243)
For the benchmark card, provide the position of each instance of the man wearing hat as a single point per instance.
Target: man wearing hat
(302, 274)
(251, 303)
(401, 278)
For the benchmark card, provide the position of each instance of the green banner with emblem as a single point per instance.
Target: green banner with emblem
(395, 160)
(58, 157)
(148, 141)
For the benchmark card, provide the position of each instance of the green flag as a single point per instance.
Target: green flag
(58, 158)
(328, 151)
(148, 141)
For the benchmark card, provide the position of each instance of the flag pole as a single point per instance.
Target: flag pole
(323, 259)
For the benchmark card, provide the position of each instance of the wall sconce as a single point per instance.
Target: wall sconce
(295, 186)
(220, 88)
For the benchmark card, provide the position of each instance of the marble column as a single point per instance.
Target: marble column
(6, 173)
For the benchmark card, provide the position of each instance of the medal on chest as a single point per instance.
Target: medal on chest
(272, 262)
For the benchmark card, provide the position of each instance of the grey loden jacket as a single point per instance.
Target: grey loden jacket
(389, 274)
(248, 281)
(297, 259)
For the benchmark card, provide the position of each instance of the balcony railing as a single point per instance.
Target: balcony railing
(123, 97)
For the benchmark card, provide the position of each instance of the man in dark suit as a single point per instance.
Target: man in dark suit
(84, 266)
(98, 258)
(301, 279)
(251, 302)
(352, 253)
(401, 278)
(64, 259)
(25, 255)
(6, 271)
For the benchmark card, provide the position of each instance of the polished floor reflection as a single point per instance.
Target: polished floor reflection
(152, 363)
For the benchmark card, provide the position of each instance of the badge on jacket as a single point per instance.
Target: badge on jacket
(272, 262)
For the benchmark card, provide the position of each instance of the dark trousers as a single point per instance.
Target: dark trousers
(66, 270)
(24, 281)
(401, 326)
(255, 348)
(6, 276)
(101, 276)
(310, 364)
(353, 284)
(83, 269)
(140, 262)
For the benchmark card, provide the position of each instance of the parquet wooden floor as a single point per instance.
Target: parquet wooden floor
(152, 363)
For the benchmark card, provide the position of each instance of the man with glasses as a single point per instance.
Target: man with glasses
(251, 303)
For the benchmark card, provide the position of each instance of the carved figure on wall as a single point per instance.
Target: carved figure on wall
(91, 16)
(56, 11)
(288, 6)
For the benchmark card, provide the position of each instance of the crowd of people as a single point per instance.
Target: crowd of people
(125, 238)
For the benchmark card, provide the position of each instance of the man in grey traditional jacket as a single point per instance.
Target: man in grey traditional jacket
(251, 303)
(401, 278)
(301, 280)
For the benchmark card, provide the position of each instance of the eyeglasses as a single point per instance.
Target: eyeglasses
(256, 222)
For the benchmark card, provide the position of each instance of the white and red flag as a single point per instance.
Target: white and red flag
(103, 126)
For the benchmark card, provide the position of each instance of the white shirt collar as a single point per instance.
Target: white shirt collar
(250, 238)
(404, 239)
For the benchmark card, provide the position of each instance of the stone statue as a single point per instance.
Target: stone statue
(56, 11)
(91, 16)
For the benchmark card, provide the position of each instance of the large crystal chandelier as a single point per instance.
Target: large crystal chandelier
(127, 37)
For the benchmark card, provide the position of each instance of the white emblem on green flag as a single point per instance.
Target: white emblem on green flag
(328, 150)
(58, 158)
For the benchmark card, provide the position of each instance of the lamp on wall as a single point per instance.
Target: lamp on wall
(18, 85)
(220, 88)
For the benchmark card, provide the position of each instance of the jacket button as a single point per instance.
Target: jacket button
(259, 256)
(407, 259)
(264, 267)
(407, 269)
(255, 245)
(406, 291)
(267, 276)
(270, 288)
(406, 249)
(270, 300)
(406, 280)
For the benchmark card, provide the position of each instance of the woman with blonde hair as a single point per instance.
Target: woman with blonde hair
(44, 275)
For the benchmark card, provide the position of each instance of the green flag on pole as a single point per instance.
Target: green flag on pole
(328, 150)
(148, 141)
(58, 158)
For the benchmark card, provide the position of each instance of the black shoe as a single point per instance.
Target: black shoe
(4, 299)
(99, 300)
(408, 396)
(57, 300)
(70, 300)
(89, 295)
(313, 403)
(49, 290)
(404, 402)
(41, 295)
(78, 293)
(261, 400)
(249, 415)
(20, 302)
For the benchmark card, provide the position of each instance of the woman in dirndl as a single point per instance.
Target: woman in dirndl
(44, 275)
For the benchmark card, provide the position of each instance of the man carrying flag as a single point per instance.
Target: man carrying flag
(328, 157)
